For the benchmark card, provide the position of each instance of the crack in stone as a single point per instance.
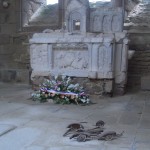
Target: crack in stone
(6, 129)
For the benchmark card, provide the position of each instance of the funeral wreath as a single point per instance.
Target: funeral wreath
(61, 90)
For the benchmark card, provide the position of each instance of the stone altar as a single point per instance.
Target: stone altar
(90, 45)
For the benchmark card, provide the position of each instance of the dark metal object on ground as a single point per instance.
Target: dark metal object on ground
(109, 135)
(73, 127)
(89, 134)
(100, 123)
(78, 132)
(82, 138)
(96, 130)
(106, 136)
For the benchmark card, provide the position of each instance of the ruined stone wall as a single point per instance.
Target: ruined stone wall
(138, 26)
(29, 7)
(9, 17)
(139, 66)
(14, 55)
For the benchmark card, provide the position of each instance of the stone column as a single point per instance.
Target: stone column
(117, 3)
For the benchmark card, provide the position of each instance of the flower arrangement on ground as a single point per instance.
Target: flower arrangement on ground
(61, 90)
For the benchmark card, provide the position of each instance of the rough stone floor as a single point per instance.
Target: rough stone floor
(26, 125)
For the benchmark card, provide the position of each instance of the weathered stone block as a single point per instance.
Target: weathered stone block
(11, 17)
(17, 5)
(92, 75)
(145, 82)
(21, 75)
(8, 28)
(8, 75)
(19, 39)
(6, 49)
(119, 89)
(8, 17)
(108, 86)
(139, 41)
(4, 58)
(4, 39)
(3, 17)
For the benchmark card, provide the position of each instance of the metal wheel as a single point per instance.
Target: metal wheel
(81, 138)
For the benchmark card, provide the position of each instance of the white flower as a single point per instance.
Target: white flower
(70, 86)
(56, 77)
(83, 100)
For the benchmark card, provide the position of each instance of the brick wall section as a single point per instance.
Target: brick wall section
(139, 35)
(14, 58)
(139, 66)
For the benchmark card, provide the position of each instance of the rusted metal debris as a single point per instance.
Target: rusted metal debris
(78, 132)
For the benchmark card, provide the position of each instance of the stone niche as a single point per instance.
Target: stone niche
(77, 16)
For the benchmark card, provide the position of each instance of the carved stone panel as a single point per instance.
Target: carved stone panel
(107, 20)
(73, 56)
(106, 24)
(39, 57)
(96, 24)
(116, 23)
(105, 61)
